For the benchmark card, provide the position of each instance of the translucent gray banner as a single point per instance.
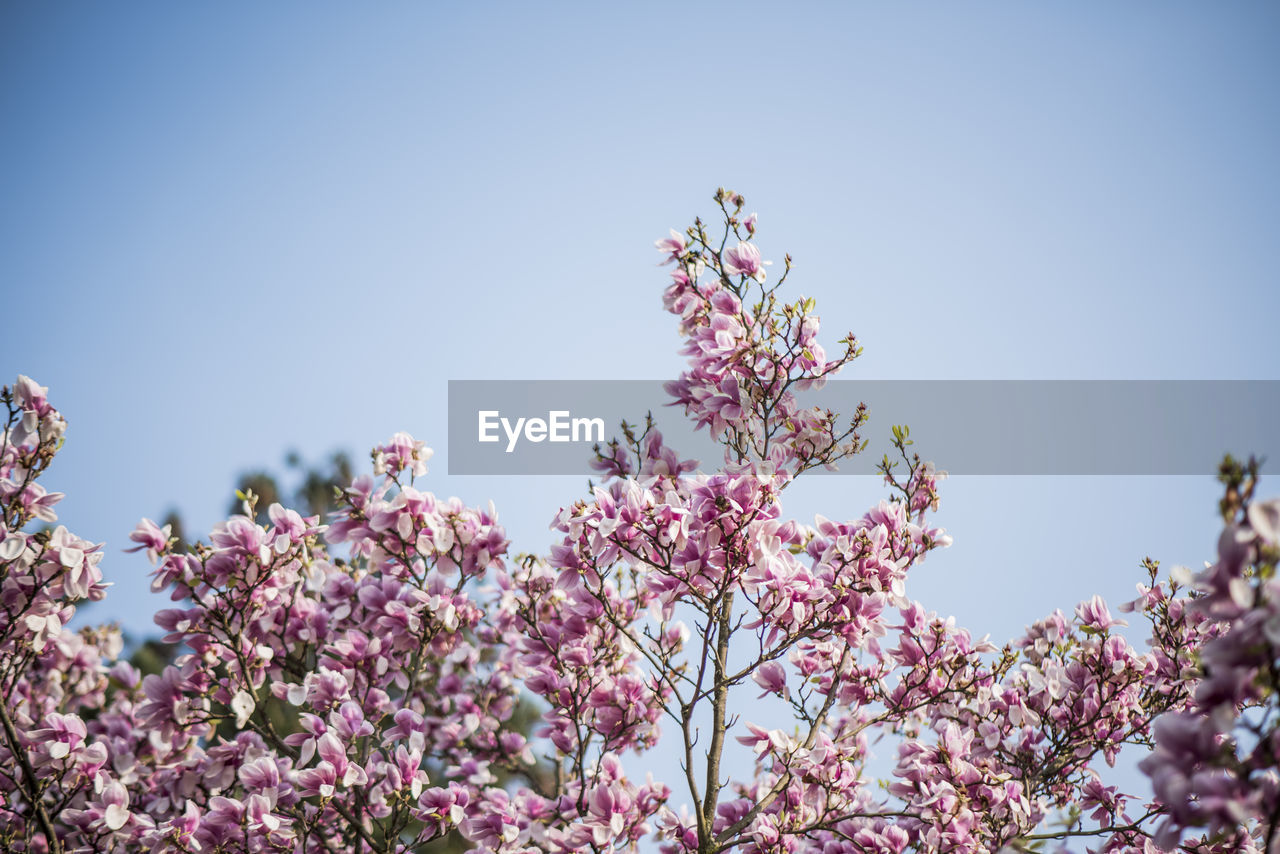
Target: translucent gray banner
(1000, 427)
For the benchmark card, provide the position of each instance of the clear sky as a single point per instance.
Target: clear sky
(230, 230)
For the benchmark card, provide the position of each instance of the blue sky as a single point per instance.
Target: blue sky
(228, 231)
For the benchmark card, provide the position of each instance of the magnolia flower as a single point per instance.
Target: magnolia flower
(673, 246)
(772, 677)
(12, 545)
(150, 536)
(744, 260)
(402, 453)
(115, 798)
(1264, 518)
(42, 628)
(242, 705)
(1094, 614)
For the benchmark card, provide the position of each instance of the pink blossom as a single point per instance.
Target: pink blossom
(371, 688)
(744, 260)
(672, 246)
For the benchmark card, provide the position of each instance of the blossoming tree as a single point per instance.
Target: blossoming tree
(349, 686)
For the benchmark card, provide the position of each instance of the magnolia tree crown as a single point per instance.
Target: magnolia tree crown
(361, 683)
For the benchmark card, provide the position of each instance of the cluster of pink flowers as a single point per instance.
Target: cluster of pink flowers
(749, 353)
(1215, 762)
(364, 682)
